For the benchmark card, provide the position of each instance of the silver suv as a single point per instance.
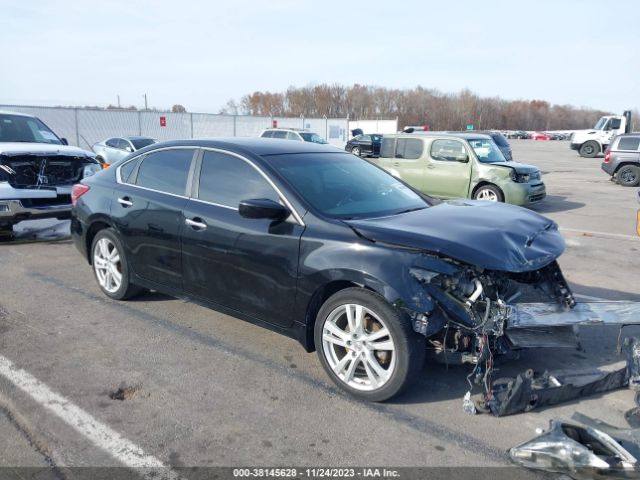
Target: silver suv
(293, 134)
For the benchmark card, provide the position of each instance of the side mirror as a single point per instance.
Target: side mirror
(64, 141)
(128, 149)
(262, 208)
(462, 158)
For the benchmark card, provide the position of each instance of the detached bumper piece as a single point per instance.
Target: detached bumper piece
(528, 390)
(584, 449)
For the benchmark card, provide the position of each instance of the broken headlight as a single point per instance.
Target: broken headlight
(520, 177)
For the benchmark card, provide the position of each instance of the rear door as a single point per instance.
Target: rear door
(249, 265)
(147, 211)
(449, 169)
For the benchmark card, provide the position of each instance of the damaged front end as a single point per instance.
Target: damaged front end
(476, 319)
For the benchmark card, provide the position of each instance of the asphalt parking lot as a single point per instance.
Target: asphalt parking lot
(204, 389)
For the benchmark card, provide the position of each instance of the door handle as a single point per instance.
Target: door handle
(396, 164)
(196, 223)
(431, 166)
(125, 202)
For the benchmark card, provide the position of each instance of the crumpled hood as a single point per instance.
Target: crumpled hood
(489, 235)
(24, 148)
(518, 167)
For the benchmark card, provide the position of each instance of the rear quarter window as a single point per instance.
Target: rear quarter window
(409, 148)
(388, 148)
(629, 143)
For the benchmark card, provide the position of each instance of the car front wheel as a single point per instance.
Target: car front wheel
(589, 149)
(356, 151)
(366, 346)
(110, 266)
(489, 193)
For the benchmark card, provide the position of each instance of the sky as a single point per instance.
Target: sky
(202, 53)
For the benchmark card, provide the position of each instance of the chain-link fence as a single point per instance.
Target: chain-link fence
(84, 127)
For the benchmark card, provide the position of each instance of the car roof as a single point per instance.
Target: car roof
(19, 114)
(256, 146)
(136, 137)
(463, 135)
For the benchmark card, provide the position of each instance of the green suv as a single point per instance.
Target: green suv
(454, 165)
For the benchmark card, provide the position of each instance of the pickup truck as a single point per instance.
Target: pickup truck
(37, 171)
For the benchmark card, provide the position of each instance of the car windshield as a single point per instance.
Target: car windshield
(340, 185)
(486, 150)
(601, 123)
(16, 128)
(312, 137)
(139, 143)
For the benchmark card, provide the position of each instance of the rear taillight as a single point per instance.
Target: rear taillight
(607, 156)
(105, 165)
(77, 191)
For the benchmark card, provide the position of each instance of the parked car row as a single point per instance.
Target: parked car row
(522, 135)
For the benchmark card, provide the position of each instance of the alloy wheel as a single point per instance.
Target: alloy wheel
(358, 347)
(107, 265)
(487, 194)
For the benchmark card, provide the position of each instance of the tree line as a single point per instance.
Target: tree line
(416, 106)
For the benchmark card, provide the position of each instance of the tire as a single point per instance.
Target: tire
(373, 374)
(589, 149)
(489, 193)
(6, 232)
(628, 176)
(356, 151)
(107, 265)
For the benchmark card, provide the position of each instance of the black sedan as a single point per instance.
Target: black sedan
(365, 145)
(319, 245)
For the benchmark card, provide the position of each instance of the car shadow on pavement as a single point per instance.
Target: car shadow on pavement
(555, 203)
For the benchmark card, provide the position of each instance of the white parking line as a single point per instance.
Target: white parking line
(591, 233)
(123, 450)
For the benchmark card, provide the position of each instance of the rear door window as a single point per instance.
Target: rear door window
(112, 142)
(629, 143)
(123, 144)
(292, 136)
(166, 171)
(279, 134)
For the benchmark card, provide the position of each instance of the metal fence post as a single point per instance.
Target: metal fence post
(234, 125)
(191, 124)
(139, 123)
(75, 116)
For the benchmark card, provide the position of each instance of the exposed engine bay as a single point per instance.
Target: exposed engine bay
(476, 319)
(42, 171)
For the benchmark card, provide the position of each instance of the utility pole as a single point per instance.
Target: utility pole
(118, 101)
(145, 102)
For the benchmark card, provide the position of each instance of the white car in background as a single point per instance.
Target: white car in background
(293, 134)
(114, 148)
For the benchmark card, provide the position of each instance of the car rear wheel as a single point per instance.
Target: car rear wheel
(629, 176)
(6, 232)
(589, 149)
(356, 151)
(489, 193)
(110, 266)
(366, 346)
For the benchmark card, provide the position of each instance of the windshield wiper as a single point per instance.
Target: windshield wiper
(409, 210)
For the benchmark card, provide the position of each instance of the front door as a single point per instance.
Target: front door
(448, 169)
(249, 265)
